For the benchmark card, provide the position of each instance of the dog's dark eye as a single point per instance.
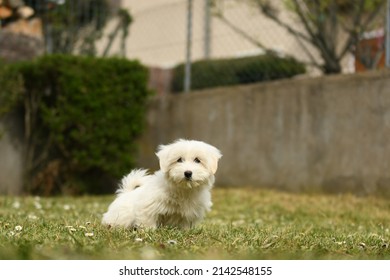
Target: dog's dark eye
(180, 160)
(197, 160)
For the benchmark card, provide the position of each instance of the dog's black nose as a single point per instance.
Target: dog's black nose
(188, 174)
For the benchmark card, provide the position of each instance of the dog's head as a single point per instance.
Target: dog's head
(189, 162)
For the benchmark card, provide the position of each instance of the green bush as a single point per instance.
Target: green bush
(82, 117)
(11, 87)
(224, 72)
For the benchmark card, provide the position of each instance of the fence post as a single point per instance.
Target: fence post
(388, 35)
(187, 74)
(207, 29)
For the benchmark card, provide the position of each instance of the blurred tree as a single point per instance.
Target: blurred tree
(73, 26)
(332, 27)
(125, 20)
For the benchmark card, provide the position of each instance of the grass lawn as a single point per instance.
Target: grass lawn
(244, 224)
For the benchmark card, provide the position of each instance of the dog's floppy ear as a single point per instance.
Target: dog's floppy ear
(215, 155)
(162, 154)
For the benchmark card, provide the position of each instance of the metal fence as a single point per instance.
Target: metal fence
(66, 26)
(69, 25)
(167, 33)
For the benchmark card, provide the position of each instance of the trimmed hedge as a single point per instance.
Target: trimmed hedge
(82, 117)
(224, 72)
(11, 88)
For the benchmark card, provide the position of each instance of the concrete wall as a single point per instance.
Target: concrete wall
(327, 134)
(14, 47)
(11, 154)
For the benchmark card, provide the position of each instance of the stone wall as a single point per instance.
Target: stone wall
(16, 47)
(328, 134)
(11, 154)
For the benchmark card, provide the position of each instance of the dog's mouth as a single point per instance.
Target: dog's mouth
(191, 183)
(186, 182)
(187, 179)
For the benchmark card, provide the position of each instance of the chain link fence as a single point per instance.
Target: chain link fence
(231, 32)
(65, 26)
(220, 29)
(191, 44)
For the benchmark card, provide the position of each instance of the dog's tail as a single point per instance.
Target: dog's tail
(132, 180)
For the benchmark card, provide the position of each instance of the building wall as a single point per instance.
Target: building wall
(324, 134)
(157, 36)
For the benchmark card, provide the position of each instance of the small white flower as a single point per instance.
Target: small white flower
(16, 205)
(88, 234)
(32, 217)
(259, 221)
(238, 223)
(172, 242)
(138, 240)
(18, 228)
(66, 207)
(11, 233)
(362, 245)
(148, 253)
(70, 228)
(37, 205)
(96, 205)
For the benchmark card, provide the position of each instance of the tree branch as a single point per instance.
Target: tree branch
(262, 46)
(354, 32)
(303, 19)
(334, 26)
(286, 26)
(318, 37)
(241, 32)
(372, 16)
(309, 54)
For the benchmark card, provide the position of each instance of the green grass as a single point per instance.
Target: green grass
(244, 224)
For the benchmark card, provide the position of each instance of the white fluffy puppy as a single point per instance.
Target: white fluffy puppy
(177, 195)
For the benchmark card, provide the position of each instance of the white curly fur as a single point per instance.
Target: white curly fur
(177, 195)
